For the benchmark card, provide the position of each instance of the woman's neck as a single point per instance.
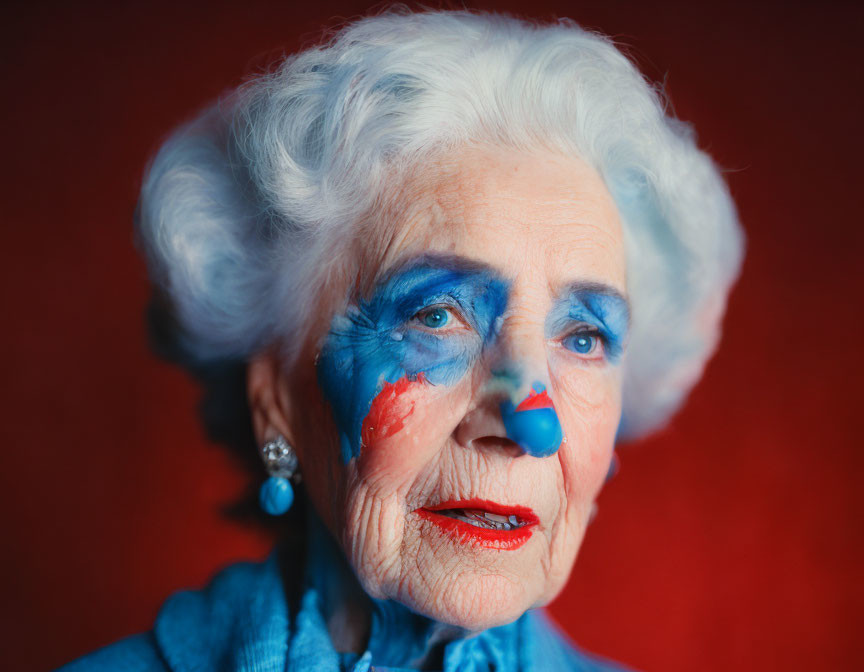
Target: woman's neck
(345, 606)
(356, 622)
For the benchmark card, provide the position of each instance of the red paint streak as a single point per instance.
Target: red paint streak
(534, 401)
(465, 533)
(387, 414)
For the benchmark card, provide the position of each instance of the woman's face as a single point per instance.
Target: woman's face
(456, 423)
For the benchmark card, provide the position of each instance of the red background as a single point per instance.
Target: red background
(729, 541)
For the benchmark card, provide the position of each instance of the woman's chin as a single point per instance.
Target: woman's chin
(471, 599)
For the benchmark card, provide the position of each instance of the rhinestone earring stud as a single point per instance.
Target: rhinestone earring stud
(276, 495)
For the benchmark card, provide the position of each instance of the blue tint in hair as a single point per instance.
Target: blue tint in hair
(375, 343)
(598, 308)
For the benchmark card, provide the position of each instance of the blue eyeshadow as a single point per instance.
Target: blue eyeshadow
(599, 309)
(374, 342)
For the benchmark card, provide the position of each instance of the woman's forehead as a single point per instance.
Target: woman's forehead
(536, 218)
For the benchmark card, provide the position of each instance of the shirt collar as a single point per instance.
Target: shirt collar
(240, 622)
(397, 636)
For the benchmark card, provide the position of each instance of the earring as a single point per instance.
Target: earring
(277, 495)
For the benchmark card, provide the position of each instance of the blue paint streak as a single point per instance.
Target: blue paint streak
(537, 430)
(377, 342)
(592, 310)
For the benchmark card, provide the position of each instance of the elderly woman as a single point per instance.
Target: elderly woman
(459, 257)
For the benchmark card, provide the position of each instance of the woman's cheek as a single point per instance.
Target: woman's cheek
(588, 401)
(407, 426)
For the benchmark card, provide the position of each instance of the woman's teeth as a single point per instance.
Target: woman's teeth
(484, 519)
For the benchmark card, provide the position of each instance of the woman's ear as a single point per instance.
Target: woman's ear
(269, 400)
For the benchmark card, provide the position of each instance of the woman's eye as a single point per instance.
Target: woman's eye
(584, 343)
(439, 318)
(435, 318)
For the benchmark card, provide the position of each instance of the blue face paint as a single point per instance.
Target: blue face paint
(383, 339)
(592, 314)
(533, 424)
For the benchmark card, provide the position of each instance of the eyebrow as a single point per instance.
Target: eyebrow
(455, 262)
(450, 262)
(591, 287)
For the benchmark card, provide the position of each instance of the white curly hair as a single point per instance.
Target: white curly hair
(247, 211)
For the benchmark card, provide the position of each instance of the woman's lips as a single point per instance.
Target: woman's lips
(482, 523)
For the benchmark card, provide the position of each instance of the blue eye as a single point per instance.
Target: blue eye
(435, 318)
(583, 343)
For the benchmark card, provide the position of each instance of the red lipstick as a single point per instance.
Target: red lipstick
(480, 522)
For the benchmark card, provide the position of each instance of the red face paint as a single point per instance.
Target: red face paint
(534, 401)
(388, 412)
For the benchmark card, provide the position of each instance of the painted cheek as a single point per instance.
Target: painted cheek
(533, 424)
(372, 362)
(389, 409)
(428, 415)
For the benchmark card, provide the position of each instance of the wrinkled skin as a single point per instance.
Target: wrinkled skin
(542, 222)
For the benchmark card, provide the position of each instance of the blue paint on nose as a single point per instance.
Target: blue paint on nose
(537, 430)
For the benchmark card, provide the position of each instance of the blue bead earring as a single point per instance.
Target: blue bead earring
(277, 495)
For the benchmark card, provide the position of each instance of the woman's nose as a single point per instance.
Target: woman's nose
(515, 401)
(483, 429)
(533, 424)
